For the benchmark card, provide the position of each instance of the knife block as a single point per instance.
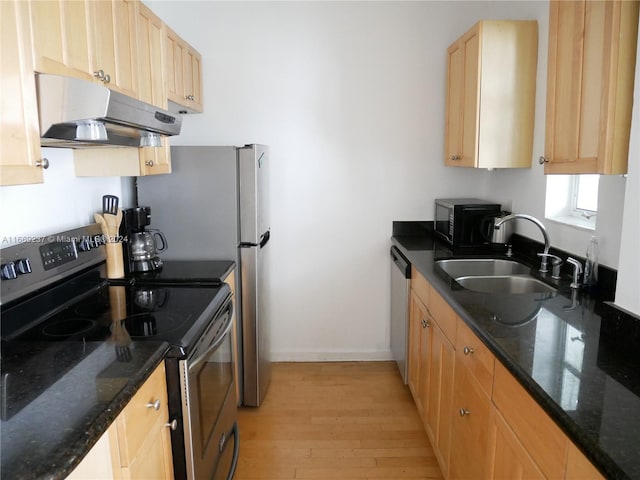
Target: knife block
(115, 262)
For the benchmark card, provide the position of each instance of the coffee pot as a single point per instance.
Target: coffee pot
(143, 244)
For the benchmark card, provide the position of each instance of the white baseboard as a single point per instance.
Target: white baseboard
(331, 356)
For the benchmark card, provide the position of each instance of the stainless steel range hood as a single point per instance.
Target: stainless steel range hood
(76, 113)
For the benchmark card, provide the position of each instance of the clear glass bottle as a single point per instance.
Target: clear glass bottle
(590, 278)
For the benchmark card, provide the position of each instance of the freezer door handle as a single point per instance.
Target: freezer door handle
(264, 239)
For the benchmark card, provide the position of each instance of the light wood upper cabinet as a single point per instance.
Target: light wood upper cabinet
(20, 161)
(591, 65)
(61, 38)
(183, 74)
(151, 57)
(113, 26)
(122, 161)
(92, 40)
(491, 86)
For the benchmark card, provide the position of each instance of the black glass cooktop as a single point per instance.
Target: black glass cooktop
(187, 272)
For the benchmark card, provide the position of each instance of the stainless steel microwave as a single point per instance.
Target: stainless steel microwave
(459, 221)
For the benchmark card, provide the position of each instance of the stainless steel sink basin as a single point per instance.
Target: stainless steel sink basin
(507, 284)
(462, 267)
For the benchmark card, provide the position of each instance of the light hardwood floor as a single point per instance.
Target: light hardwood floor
(335, 421)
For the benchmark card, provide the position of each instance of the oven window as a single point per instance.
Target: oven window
(213, 381)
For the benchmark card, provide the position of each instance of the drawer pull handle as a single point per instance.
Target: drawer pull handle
(464, 411)
(155, 405)
(468, 350)
(173, 424)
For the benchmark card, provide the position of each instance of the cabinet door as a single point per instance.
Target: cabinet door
(440, 394)
(151, 57)
(193, 79)
(61, 40)
(19, 129)
(183, 73)
(176, 53)
(156, 160)
(508, 459)
(114, 43)
(469, 427)
(453, 123)
(141, 438)
(419, 339)
(592, 51)
(462, 101)
(578, 467)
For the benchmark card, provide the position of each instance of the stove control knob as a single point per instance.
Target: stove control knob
(85, 244)
(23, 266)
(8, 271)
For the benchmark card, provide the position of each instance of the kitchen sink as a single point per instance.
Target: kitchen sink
(507, 284)
(462, 267)
(493, 275)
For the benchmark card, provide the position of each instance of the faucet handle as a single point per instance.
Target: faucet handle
(556, 261)
(577, 270)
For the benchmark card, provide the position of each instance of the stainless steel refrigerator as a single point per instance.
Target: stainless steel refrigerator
(213, 206)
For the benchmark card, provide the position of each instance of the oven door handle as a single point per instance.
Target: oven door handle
(214, 346)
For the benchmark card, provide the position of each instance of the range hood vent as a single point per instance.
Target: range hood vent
(76, 113)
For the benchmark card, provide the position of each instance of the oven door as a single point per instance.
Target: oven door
(210, 403)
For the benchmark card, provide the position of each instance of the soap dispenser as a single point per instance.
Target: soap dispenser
(590, 278)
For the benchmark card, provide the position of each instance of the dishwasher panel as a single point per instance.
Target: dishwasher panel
(400, 278)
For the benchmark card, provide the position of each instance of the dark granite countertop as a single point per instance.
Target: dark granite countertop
(574, 355)
(63, 398)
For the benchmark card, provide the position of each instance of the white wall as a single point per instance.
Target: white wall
(350, 97)
(62, 202)
(628, 291)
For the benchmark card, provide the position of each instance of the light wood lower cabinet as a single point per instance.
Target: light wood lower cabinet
(481, 422)
(431, 363)
(508, 459)
(141, 440)
(137, 445)
(440, 394)
(420, 339)
(469, 424)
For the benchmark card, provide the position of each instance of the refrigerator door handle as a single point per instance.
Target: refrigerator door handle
(264, 239)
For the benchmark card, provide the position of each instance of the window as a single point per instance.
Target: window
(573, 199)
(585, 194)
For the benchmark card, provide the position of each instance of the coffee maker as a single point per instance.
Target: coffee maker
(142, 244)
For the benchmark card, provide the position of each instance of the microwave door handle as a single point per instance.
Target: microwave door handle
(193, 365)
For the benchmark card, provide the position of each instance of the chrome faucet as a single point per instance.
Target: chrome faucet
(545, 254)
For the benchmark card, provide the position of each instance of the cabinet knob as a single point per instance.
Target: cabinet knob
(149, 163)
(44, 163)
(542, 160)
(99, 74)
(173, 424)
(468, 350)
(190, 97)
(464, 412)
(107, 78)
(425, 323)
(155, 405)
(454, 158)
